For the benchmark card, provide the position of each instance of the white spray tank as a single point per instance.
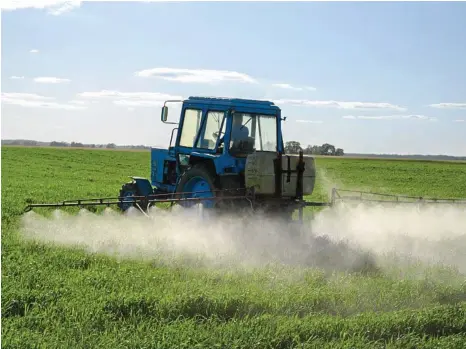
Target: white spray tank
(260, 173)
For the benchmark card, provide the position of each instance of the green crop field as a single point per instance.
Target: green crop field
(63, 297)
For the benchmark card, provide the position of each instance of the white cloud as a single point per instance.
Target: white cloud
(449, 105)
(311, 121)
(32, 100)
(128, 95)
(140, 103)
(28, 96)
(75, 101)
(288, 87)
(459, 120)
(51, 80)
(14, 77)
(67, 6)
(295, 88)
(55, 7)
(131, 99)
(388, 117)
(34, 51)
(195, 75)
(339, 104)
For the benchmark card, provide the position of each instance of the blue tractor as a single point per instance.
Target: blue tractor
(226, 152)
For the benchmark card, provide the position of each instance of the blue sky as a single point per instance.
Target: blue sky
(367, 77)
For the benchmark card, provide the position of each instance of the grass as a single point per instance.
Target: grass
(55, 297)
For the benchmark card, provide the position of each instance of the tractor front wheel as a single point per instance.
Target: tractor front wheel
(197, 182)
(127, 191)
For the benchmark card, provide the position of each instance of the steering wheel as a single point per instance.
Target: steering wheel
(244, 145)
(216, 134)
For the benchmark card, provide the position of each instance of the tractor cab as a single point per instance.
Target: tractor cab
(235, 127)
(220, 133)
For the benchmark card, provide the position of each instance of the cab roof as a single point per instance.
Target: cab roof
(233, 102)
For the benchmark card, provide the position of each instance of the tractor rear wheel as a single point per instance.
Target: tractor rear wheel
(231, 186)
(197, 182)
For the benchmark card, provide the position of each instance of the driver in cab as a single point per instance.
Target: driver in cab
(238, 131)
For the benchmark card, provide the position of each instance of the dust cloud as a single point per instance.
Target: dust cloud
(347, 237)
(432, 234)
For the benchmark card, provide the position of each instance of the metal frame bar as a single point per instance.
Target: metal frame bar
(154, 198)
(249, 195)
(396, 198)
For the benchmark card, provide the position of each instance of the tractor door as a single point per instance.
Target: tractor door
(191, 121)
(212, 130)
(253, 132)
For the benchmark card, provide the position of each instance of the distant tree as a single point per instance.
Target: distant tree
(292, 147)
(111, 146)
(339, 152)
(327, 149)
(58, 144)
(316, 150)
(308, 150)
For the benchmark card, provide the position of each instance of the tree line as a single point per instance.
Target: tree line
(293, 147)
(107, 146)
(82, 145)
(33, 143)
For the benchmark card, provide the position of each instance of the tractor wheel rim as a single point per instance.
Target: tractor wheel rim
(198, 187)
(126, 196)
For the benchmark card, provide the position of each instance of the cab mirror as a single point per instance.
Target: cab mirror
(164, 115)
